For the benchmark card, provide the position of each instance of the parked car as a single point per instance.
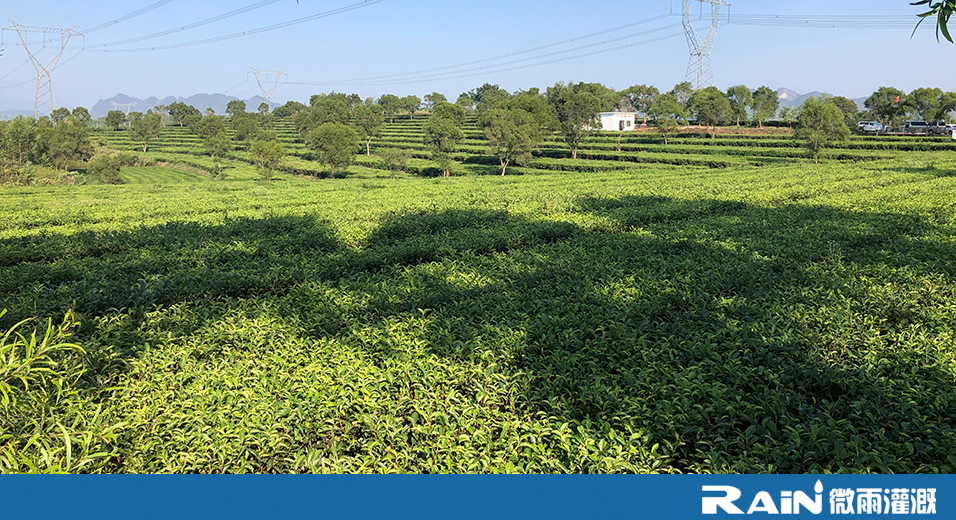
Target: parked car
(870, 127)
(915, 127)
(939, 128)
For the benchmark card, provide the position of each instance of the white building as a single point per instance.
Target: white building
(618, 121)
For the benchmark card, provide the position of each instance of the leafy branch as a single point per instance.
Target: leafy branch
(942, 10)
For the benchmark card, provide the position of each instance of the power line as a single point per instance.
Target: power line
(510, 54)
(825, 21)
(282, 25)
(18, 67)
(121, 19)
(429, 77)
(193, 25)
(17, 85)
(538, 64)
(134, 14)
(235, 87)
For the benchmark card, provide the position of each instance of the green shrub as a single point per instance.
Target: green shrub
(105, 169)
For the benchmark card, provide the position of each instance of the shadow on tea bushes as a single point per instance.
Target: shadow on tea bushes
(655, 334)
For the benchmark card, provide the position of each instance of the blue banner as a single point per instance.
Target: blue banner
(466, 497)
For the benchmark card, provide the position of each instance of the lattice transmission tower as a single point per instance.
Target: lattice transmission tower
(263, 79)
(44, 96)
(700, 73)
(127, 105)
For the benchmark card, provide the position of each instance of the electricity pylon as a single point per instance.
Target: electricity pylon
(127, 105)
(44, 95)
(262, 76)
(700, 73)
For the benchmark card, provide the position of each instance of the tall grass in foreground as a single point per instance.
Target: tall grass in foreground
(44, 426)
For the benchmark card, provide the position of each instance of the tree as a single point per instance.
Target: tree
(740, 100)
(82, 116)
(851, 112)
(683, 91)
(710, 107)
(390, 104)
(886, 105)
(411, 104)
(291, 108)
(765, 104)
(353, 101)
(513, 134)
(67, 143)
(394, 159)
(368, 121)
(133, 117)
(820, 124)
(433, 99)
(642, 98)
(163, 112)
(264, 108)
(788, 115)
(577, 107)
(115, 119)
(335, 145)
(324, 109)
(209, 126)
(942, 10)
(487, 96)
(443, 133)
(183, 114)
(20, 140)
(146, 129)
(667, 113)
(267, 155)
(105, 169)
(465, 102)
(59, 115)
(925, 103)
(217, 146)
(245, 128)
(235, 107)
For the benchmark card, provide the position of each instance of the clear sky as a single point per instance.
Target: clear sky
(386, 43)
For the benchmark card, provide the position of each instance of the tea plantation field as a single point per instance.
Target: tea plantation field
(718, 305)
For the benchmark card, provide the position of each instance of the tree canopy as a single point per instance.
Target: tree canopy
(146, 129)
(368, 120)
(710, 106)
(667, 113)
(335, 144)
(820, 123)
(443, 133)
(765, 104)
(516, 127)
(740, 100)
(577, 106)
(267, 155)
(887, 105)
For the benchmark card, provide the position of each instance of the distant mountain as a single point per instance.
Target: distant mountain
(789, 98)
(6, 115)
(786, 95)
(24, 107)
(216, 102)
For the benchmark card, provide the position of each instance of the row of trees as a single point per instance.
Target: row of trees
(58, 140)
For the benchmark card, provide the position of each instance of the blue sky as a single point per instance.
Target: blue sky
(396, 37)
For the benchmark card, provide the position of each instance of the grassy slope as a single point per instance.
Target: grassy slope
(782, 318)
